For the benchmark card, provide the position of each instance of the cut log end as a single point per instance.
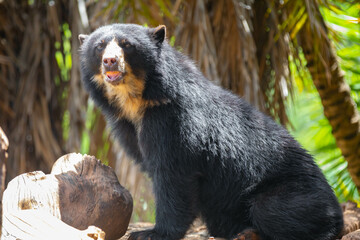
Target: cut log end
(80, 192)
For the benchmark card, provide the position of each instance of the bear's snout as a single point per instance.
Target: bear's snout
(108, 62)
(111, 64)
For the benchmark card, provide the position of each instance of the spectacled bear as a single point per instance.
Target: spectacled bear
(208, 152)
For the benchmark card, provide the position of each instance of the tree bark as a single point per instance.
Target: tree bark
(339, 107)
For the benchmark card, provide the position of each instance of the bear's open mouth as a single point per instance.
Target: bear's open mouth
(114, 77)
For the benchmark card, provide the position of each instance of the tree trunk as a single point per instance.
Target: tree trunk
(4, 144)
(339, 108)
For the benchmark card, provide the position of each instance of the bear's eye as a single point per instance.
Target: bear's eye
(126, 44)
(100, 46)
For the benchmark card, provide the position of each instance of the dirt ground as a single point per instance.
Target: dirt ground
(198, 230)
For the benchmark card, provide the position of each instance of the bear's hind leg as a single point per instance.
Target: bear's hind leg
(227, 225)
(294, 212)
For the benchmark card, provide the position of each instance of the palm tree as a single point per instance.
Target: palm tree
(339, 107)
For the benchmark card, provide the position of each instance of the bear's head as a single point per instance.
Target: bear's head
(119, 50)
(118, 59)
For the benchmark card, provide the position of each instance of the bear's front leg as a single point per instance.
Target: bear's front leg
(176, 207)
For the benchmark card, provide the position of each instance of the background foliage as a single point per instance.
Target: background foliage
(306, 115)
(254, 48)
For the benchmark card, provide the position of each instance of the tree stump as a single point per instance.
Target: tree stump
(80, 191)
(41, 225)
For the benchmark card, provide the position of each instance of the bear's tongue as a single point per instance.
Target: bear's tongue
(113, 75)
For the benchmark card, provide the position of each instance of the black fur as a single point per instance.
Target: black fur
(211, 154)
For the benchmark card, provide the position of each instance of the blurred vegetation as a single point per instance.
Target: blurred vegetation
(310, 127)
(250, 47)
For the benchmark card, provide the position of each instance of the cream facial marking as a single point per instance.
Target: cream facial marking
(113, 63)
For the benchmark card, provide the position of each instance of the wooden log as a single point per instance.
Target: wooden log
(80, 190)
(41, 225)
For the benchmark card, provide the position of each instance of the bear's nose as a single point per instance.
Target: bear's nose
(108, 62)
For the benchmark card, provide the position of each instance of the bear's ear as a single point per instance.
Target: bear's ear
(82, 38)
(158, 34)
